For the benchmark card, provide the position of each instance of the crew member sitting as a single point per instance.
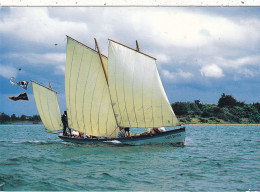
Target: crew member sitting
(81, 134)
(147, 131)
(152, 131)
(75, 134)
(161, 129)
(124, 132)
(158, 130)
(155, 130)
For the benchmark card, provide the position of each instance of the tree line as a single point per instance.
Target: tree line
(228, 110)
(4, 118)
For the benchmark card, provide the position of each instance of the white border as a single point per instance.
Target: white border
(126, 3)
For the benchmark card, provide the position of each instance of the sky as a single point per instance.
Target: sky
(201, 52)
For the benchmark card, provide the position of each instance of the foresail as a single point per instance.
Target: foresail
(48, 106)
(88, 101)
(137, 93)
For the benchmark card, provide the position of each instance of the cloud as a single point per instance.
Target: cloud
(236, 68)
(185, 75)
(60, 70)
(238, 61)
(167, 74)
(211, 71)
(163, 58)
(205, 44)
(176, 76)
(247, 72)
(47, 58)
(188, 29)
(7, 71)
(192, 45)
(35, 25)
(57, 60)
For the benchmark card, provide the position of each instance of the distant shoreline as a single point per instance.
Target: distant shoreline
(21, 123)
(40, 123)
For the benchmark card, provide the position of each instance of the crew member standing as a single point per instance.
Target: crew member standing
(64, 120)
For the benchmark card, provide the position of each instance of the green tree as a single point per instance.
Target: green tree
(186, 108)
(13, 117)
(23, 117)
(36, 118)
(197, 102)
(257, 106)
(180, 108)
(227, 101)
(4, 118)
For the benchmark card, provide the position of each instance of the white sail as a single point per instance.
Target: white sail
(48, 106)
(137, 93)
(88, 101)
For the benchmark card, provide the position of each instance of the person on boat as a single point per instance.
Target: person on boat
(64, 120)
(75, 134)
(152, 131)
(148, 130)
(81, 134)
(128, 134)
(124, 132)
(161, 129)
(157, 130)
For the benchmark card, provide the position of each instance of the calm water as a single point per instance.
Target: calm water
(215, 158)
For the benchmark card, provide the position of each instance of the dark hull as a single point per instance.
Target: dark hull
(176, 137)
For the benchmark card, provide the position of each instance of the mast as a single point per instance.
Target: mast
(137, 46)
(101, 59)
(105, 76)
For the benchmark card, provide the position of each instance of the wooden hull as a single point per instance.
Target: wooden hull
(175, 137)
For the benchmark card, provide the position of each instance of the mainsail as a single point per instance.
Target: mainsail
(48, 106)
(137, 93)
(88, 100)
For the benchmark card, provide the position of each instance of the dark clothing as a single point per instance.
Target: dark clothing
(64, 120)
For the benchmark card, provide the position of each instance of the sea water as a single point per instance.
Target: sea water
(215, 158)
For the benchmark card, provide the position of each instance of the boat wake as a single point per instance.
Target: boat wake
(113, 142)
(35, 142)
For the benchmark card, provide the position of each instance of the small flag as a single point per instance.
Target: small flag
(22, 84)
(12, 82)
(22, 96)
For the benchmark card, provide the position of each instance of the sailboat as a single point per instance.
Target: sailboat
(104, 94)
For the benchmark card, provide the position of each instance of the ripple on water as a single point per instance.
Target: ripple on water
(222, 158)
